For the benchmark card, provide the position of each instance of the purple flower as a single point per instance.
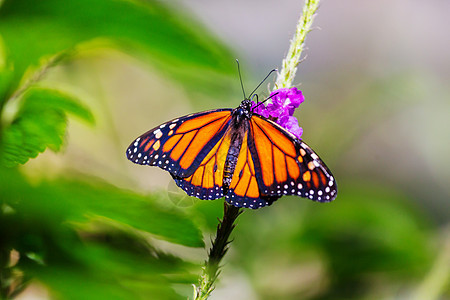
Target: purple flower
(260, 110)
(291, 124)
(281, 109)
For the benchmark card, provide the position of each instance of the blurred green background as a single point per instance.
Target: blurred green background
(79, 80)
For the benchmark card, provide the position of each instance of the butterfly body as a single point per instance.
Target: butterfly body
(237, 131)
(236, 154)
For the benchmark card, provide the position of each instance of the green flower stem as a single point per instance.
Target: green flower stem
(211, 269)
(286, 75)
(219, 248)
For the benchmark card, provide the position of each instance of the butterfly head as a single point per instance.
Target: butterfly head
(243, 111)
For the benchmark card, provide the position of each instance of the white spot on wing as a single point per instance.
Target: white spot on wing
(158, 133)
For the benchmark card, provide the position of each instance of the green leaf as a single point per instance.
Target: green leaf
(98, 272)
(46, 98)
(168, 36)
(129, 208)
(40, 123)
(80, 202)
(112, 261)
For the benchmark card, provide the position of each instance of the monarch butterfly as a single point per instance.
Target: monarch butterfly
(237, 154)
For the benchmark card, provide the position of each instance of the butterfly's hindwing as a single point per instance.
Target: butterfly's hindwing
(207, 181)
(179, 146)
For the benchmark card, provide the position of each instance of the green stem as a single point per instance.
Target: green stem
(289, 68)
(211, 269)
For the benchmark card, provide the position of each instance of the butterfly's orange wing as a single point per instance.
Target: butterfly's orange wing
(287, 166)
(271, 162)
(181, 145)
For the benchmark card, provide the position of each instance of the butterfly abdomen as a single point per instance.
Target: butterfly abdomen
(230, 162)
(237, 132)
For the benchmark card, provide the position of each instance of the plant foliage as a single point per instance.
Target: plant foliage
(79, 236)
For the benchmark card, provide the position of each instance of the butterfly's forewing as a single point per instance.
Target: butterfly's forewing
(179, 146)
(287, 166)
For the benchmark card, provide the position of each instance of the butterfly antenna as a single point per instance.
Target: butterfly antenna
(240, 78)
(262, 83)
(257, 99)
(264, 99)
